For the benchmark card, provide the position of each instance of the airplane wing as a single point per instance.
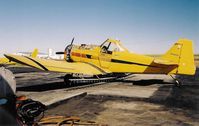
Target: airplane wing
(57, 66)
(164, 62)
(5, 61)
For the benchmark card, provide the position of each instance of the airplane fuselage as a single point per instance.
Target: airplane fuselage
(117, 59)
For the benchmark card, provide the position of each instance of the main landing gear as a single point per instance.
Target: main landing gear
(66, 79)
(79, 79)
(177, 82)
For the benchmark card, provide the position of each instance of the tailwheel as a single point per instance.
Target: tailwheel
(177, 82)
(67, 81)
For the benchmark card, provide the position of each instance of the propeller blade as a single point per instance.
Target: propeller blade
(59, 52)
(72, 40)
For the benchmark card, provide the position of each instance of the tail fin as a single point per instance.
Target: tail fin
(34, 53)
(182, 54)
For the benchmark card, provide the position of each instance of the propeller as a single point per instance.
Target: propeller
(68, 47)
(67, 51)
(59, 52)
(72, 41)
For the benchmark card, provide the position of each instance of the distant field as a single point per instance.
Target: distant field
(196, 57)
(197, 63)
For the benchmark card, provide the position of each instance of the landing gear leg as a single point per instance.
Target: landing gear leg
(177, 82)
(67, 81)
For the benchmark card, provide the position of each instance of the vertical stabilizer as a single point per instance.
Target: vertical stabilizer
(182, 54)
(34, 53)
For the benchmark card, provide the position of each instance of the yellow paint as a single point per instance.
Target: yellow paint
(180, 54)
(5, 61)
(112, 57)
(34, 53)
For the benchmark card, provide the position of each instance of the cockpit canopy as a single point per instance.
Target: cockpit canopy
(110, 46)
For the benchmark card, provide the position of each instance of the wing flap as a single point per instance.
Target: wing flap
(57, 66)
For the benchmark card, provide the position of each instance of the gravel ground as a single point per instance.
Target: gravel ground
(139, 100)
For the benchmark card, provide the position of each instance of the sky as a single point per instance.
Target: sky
(143, 26)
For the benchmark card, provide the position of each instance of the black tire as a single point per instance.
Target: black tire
(67, 81)
(178, 83)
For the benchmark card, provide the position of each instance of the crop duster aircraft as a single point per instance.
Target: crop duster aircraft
(111, 58)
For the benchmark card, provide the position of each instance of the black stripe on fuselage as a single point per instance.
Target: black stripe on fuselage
(127, 62)
(42, 66)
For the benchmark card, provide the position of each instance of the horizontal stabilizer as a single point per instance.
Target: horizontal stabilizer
(164, 62)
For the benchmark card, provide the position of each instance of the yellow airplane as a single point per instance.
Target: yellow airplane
(111, 58)
(6, 61)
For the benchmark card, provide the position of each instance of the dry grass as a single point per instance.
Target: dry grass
(196, 57)
(197, 63)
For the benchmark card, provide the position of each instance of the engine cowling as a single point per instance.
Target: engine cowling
(67, 53)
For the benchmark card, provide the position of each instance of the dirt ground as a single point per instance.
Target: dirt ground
(140, 100)
(180, 108)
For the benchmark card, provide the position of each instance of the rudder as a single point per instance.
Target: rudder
(182, 54)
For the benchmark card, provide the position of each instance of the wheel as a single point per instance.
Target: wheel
(178, 83)
(67, 81)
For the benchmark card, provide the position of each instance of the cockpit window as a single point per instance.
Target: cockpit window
(113, 47)
(106, 44)
(104, 47)
(120, 48)
(109, 47)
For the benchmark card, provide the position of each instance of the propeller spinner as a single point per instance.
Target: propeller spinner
(67, 51)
